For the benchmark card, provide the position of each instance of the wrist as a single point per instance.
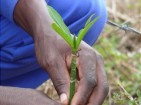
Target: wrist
(34, 18)
(45, 36)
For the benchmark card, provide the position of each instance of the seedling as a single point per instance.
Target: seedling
(60, 27)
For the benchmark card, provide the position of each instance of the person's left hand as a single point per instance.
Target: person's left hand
(90, 92)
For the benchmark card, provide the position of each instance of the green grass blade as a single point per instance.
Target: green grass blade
(82, 32)
(66, 37)
(58, 19)
(89, 20)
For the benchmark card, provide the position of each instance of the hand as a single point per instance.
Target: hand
(21, 96)
(54, 55)
(93, 85)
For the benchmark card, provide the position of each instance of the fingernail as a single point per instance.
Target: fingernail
(63, 98)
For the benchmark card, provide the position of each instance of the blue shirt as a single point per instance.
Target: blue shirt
(18, 64)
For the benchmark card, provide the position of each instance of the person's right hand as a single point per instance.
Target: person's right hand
(22, 96)
(54, 56)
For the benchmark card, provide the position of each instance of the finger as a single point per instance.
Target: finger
(87, 82)
(101, 90)
(60, 78)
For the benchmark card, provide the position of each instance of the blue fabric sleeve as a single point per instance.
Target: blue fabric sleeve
(7, 8)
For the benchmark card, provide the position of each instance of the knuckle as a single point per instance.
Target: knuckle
(51, 58)
(42, 63)
(55, 103)
(91, 80)
(99, 57)
(106, 88)
(61, 85)
(81, 102)
(48, 62)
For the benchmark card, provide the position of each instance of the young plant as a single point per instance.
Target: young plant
(60, 27)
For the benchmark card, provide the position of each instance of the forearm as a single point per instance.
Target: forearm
(12, 96)
(22, 96)
(33, 16)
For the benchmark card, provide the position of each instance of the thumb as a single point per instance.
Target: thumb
(60, 78)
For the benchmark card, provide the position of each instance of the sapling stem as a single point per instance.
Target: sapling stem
(73, 69)
(72, 76)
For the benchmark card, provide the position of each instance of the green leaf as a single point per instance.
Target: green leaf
(82, 32)
(66, 37)
(89, 20)
(58, 19)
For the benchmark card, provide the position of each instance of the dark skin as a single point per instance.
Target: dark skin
(54, 55)
(21, 96)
